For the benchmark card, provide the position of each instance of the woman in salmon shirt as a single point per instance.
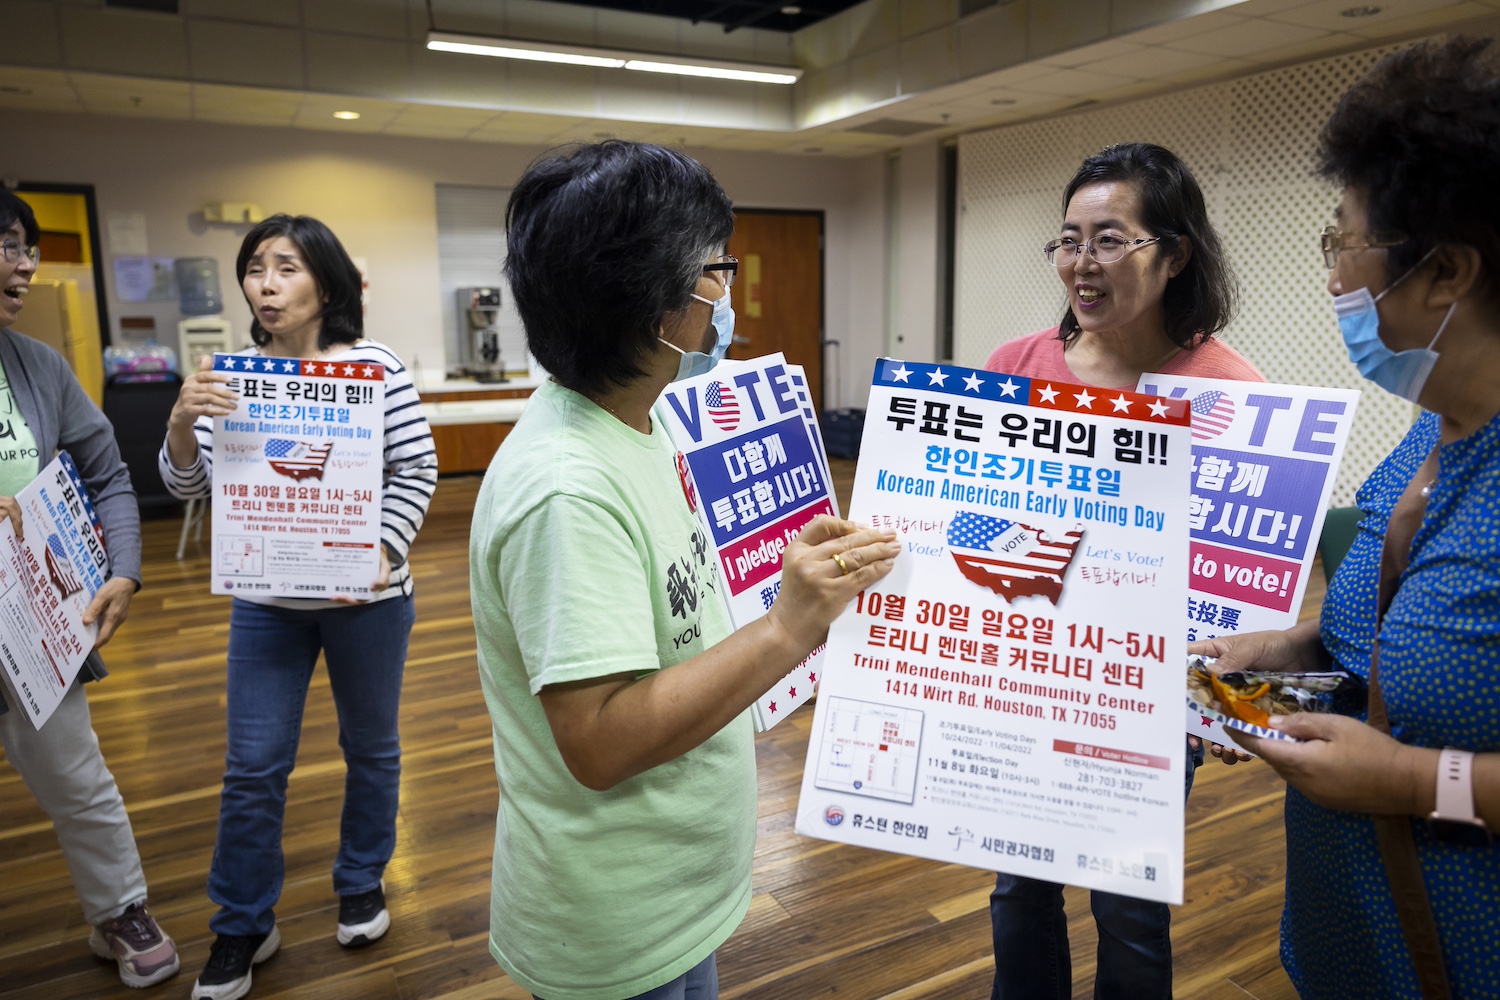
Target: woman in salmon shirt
(1148, 288)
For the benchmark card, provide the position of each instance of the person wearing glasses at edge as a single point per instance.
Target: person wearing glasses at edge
(43, 409)
(304, 293)
(1148, 288)
(1415, 278)
(617, 687)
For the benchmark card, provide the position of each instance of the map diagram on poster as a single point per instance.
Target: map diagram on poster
(871, 750)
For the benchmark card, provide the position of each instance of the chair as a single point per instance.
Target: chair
(1339, 529)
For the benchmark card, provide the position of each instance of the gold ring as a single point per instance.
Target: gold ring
(843, 566)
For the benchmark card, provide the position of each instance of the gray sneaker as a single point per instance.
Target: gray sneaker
(143, 951)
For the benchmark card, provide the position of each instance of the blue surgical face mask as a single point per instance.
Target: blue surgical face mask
(696, 362)
(1401, 373)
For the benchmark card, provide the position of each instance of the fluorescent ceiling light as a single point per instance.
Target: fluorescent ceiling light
(717, 72)
(577, 55)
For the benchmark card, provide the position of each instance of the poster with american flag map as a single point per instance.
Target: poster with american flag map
(48, 578)
(1265, 461)
(753, 468)
(1008, 698)
(297, 473)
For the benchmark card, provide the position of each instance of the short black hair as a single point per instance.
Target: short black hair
(329, 264)
(1200, 301)
(604, 240)
(13, 210)
(1419, 137)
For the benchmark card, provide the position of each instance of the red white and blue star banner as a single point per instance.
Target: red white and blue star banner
(754, 471)
(1008, 697)
(297, 473)
(48, 577)
(1265, 460)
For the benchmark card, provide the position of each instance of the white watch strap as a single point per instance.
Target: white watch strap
(1455, 786)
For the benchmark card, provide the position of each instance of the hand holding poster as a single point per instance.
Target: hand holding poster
(1265, 460)
(1008, 697)
(749, 446)
(297, 478)
(48, 578)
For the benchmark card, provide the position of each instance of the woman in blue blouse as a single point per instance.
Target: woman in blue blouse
(1415, 261)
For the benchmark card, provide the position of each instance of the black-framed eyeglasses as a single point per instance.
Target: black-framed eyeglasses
(728, 266)
(1104, 249)
(1334, 243)
(12, 252)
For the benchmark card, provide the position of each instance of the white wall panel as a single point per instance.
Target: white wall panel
(1251, 143)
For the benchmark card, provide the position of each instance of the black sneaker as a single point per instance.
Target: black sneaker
(227, 974)
(363, 919)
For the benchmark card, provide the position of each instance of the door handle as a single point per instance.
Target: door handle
(740, 340)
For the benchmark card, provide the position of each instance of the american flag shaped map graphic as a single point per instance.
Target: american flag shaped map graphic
(1213, 412)
(297, 459)
(723, 408)
(1012, 559)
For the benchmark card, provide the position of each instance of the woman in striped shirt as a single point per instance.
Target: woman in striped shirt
(304, 292)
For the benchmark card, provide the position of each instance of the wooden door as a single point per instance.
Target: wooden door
(778, 297)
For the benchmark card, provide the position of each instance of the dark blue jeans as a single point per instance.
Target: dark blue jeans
(1032, 960)
(272, 652)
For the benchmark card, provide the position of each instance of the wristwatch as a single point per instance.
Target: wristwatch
(1454, 821)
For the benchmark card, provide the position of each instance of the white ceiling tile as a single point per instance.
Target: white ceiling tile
(1153, 63)
(1186, 28)
(1328, 14)
(1429, 20)
(17, 76)
(146, 105)
(40, 97)
(1300, 51)
(1090, 54)
(1072, 83)
(1216, 70)
(1247, 38)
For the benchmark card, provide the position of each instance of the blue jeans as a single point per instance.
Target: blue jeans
(272, 652)
(1032, 960)
(701, 982)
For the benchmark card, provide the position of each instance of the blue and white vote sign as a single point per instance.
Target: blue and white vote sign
(753, 467)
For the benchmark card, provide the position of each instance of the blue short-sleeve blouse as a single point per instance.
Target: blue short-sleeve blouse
(1440, 678)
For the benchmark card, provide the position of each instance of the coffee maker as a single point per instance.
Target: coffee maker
(478, 336)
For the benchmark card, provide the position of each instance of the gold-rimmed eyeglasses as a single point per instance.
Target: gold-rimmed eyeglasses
(1105, 249)
(1334, 243)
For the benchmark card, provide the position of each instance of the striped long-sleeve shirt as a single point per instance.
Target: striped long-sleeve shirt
(408, 483)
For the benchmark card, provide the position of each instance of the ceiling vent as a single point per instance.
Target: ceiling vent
(894, 126)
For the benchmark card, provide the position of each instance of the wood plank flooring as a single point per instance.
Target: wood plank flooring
(826, 920)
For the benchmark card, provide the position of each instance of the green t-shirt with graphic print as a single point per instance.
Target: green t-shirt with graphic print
(19, 459)
(586, 561)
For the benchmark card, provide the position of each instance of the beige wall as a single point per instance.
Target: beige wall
(377, 194)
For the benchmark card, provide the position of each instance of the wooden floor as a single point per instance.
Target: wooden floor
(826, 920)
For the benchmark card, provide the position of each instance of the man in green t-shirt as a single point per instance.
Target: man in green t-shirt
(617, 689)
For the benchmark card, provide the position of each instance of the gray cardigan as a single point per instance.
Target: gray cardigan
(61, 416)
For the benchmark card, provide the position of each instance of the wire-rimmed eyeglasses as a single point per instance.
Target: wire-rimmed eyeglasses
(728, 266)
(1334, 243)
(1105, 249)
(12, 252)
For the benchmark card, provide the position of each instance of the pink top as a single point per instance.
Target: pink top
(1040, 356)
